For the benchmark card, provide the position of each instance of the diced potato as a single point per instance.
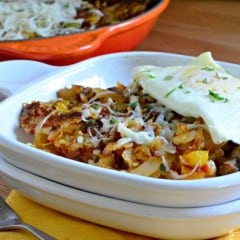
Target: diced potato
(196, 158)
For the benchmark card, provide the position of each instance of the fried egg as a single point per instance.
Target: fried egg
(202, 88)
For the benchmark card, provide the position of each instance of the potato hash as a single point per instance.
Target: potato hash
(124, 129)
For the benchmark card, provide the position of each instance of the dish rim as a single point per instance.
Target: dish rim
(56, 188)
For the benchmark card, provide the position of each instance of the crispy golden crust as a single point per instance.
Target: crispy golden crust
(33, 113)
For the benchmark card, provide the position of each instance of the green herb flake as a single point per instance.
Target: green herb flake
(133, 105)
(20, 10)
(114, 121)
(148, 106)
(168, 77)
(215, 97)
(95, 106)
(209, 69)
(180, 86)
(152, 75)
(170, 92)
(91, 121)
(187, 92)
(163, 168)
(205, 81)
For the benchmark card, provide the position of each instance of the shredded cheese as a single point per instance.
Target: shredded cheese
(40, 18)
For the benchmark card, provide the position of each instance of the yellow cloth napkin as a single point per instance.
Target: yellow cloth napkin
(65, 227)
(57, 224)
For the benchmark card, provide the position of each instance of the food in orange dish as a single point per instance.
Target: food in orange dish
(44, 18)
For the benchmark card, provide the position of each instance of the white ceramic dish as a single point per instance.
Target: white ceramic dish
(105, 71)
(159, 222)
(27, 72)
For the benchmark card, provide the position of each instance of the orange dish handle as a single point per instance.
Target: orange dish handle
(72, 45)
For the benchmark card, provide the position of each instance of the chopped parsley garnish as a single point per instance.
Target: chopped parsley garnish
(95, 106)
(151, 75)
(150, 106)
(133, 105)
(209, 69)
(168, 77)
(170, 92)
(205, 81)
(216, 97)
(174, 89)
(91, 121)
(114, 121)
(163, 168)
(180, 86)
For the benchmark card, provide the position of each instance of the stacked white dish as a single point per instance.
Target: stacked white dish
(154, 207)
(160, 222)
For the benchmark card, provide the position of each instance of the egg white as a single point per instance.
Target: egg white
(199, 89)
